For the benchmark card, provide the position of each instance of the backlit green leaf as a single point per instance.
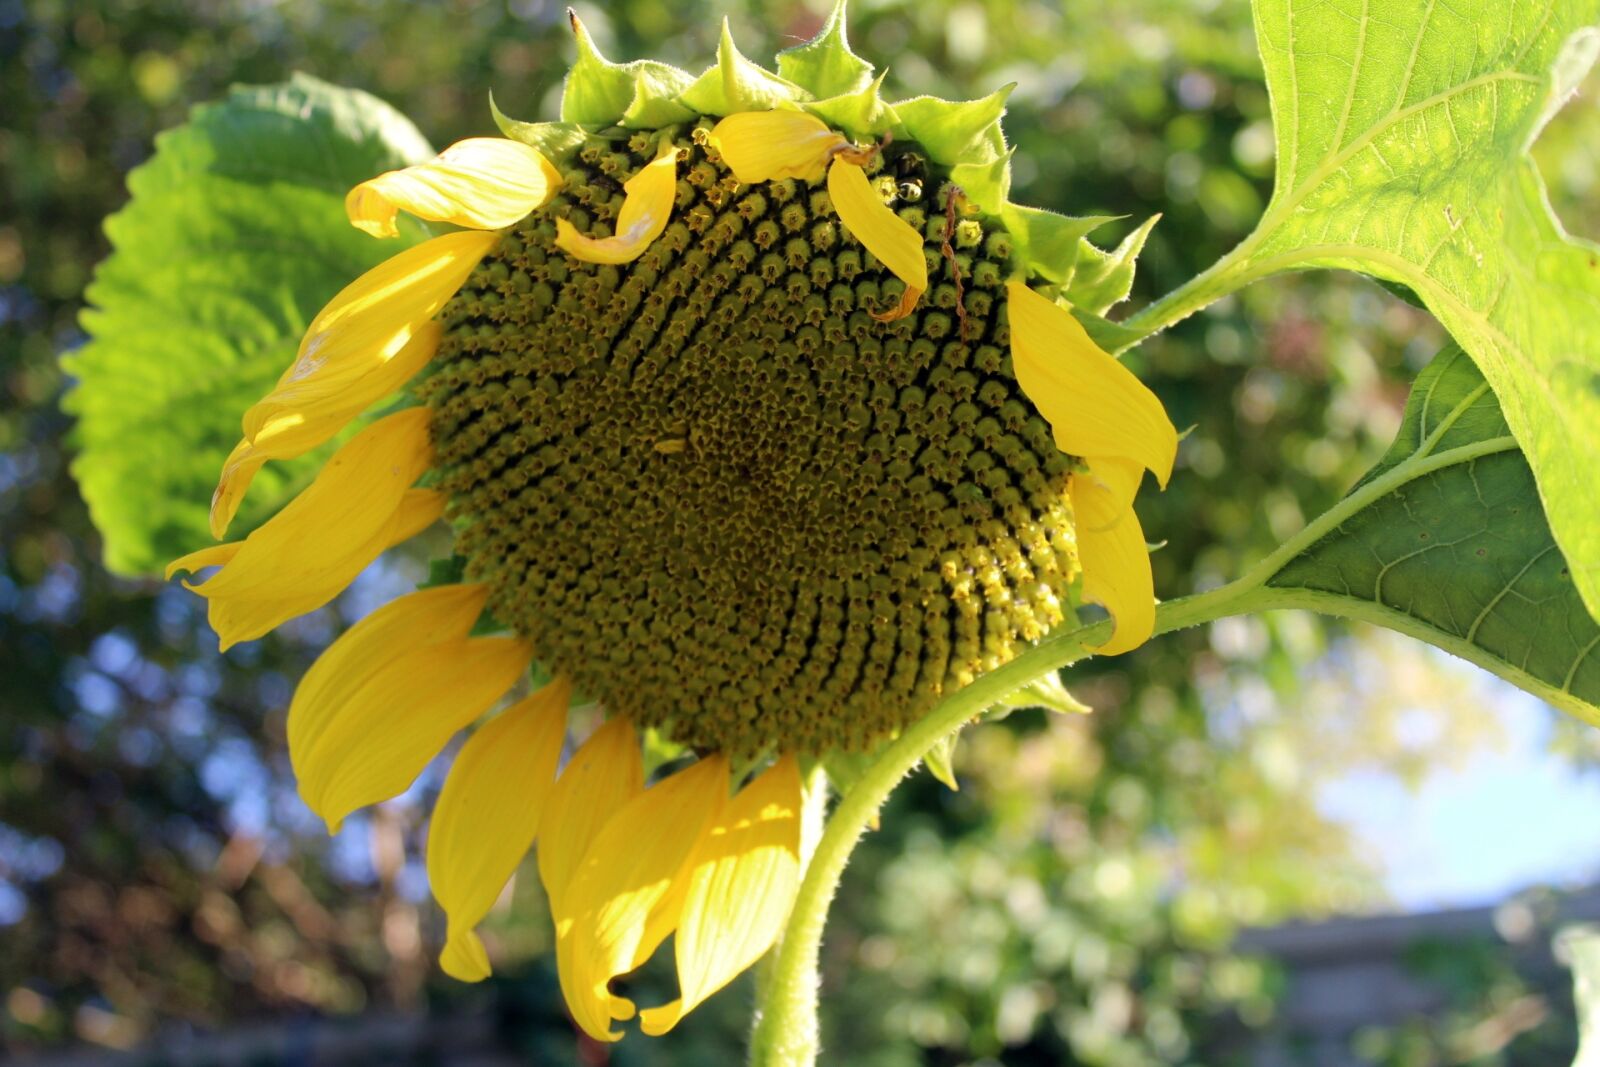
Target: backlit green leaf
(1444, 540)
(233, 240)
(1403, 129)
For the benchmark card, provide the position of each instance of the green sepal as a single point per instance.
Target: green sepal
(1114, 337)
(1049, 693)
(940, 760)
(1048, 243)
(986, 184)
(736, 84)
(448, 571)
(556, 141)
(598, 92)
(863, 115)
(659, 750)
(955, 132)
(845, 769)
(824, 66)
(656, 88)
(1103, 279)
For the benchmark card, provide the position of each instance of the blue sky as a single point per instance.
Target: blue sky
(1508, 819)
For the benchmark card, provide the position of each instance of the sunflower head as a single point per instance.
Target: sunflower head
(761, 417)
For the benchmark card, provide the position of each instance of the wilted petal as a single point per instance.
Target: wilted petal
(483, 183)
(646, 209)
(761, 146)
(742, 883)
(487, 815)
(885, 234)
(384, 698)
(625, 896)
(360, 504)
(1095, 405)
(1111, 549)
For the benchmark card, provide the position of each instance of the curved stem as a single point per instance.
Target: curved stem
(787, 1033)
(1230, 273)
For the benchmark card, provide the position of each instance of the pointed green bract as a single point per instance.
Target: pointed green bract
(986, 184)
(599, 92)
(825, 78)
(956, 131)
(1102, 279)
(824, 66)
(862, 115)
(655, 91)
(735, 84)
(1049, 242)
(556, 141)
(940, 760)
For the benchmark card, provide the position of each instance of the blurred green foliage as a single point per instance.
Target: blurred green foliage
(1073, 903)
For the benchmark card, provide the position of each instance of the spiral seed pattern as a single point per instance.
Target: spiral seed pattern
(717, 492)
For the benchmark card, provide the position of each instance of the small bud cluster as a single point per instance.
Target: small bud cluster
(711, 487)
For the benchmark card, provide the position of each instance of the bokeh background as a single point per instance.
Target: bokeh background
(1076, 902)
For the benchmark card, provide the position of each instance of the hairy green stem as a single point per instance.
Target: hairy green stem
(1229, 274)
(788, 1034)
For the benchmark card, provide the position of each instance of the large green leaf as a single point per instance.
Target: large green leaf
(1444, 540)
(234, 238)
(1403, 129)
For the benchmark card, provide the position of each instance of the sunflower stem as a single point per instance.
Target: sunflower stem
(787, 1032)
(1227, 275)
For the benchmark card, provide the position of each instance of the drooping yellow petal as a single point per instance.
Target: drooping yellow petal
(763, 146)
(323, 409)
(623, 898)
(384, 698)
(742, 883)
(487, 814)
(606, 772)
(360, 504)
(889, 237)
(1095, 405)
(646, 209)
(1111, 549)
(214, 556)
(483, 183)
(366, 343)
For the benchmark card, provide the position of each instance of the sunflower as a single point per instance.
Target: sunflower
(760, 421)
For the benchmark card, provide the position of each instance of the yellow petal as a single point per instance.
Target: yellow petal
(646, 209)
(886, 235)
(1095, 405)
(310, 551)
(386, 696)
(627, 879)
(483, 183)
(606, 772)
(464, 958)
(215, 556)
(366, 343)
(418, 510)
(762, 146)
(312, 414)
(1111, 549)
(742, 883)
(486, 816)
